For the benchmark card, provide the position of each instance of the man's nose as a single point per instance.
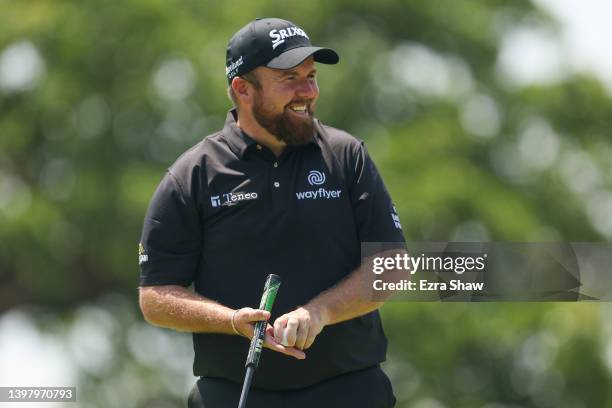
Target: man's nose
(308, 89)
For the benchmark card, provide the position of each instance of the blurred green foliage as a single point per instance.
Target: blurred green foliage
(98, 98)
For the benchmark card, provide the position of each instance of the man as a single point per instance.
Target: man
(274, 191)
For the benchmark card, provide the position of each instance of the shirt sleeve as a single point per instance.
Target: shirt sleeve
(375, 215)
(171, 242)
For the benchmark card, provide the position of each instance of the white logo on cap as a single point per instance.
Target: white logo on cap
(316, 178)
(278, 36)
(231, 70)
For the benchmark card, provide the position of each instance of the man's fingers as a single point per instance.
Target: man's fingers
(309, 340)
(248, 314)
(244, 320)
(279, 327)
(290, 332)
(301, 335)
(296, 329)
(272, 344)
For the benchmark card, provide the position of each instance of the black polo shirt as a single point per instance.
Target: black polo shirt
(228, 213)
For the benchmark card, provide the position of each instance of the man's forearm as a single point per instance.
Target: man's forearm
(178, 308)
(353, 296)
(348, 299)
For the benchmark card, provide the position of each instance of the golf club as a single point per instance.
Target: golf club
(267, 300)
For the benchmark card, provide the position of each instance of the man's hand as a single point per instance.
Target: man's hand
(300, 327)
(244, 321)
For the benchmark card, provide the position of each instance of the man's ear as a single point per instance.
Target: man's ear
(243, 90)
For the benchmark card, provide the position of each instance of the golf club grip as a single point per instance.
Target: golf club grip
(267, 300)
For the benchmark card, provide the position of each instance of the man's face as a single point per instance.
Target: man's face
(285, 103)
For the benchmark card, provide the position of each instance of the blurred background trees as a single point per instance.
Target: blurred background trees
(98, 98)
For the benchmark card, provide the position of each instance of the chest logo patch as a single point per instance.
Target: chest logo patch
(231, 198)
(316, 178)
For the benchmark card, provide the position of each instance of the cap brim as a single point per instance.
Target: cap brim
(296, 56)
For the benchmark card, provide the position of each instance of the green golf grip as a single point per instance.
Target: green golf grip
(267, 300)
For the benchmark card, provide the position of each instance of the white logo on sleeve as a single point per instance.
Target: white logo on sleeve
(396, 220)
(316, 178)
(142, 255)
(278, 36)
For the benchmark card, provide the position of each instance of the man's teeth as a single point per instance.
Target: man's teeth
(298, 108)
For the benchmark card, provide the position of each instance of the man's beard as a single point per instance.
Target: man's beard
(292, 131)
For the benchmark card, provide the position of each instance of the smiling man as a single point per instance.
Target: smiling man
(274, 191)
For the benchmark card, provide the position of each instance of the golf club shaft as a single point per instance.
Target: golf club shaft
(246, 386)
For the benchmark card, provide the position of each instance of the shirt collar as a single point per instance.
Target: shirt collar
(239, 141)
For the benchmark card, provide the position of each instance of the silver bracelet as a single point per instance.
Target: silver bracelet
(233, 325)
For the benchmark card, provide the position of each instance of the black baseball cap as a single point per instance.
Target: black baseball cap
(272, 43)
